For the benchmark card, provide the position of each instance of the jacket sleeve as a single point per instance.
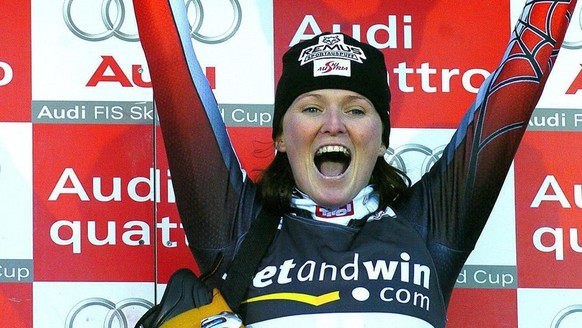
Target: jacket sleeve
(207, 178)
(459, 192)
(452, 202)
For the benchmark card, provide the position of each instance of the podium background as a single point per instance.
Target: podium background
(87, 213)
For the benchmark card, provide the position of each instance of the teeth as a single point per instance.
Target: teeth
(333, 149)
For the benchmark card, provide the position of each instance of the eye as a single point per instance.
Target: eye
(356, 111)
(311, 110)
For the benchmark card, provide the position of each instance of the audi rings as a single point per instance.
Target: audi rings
(398, 158)
(113, 22)
(114, 312)
(199, 20)
(564, 313)
(112, 27)
(574, 44)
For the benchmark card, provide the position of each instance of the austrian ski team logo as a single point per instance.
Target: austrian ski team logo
(332, 56)
(346, 210)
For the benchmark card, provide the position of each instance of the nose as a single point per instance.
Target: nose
(333, 122)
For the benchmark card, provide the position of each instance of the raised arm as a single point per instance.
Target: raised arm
(454, 200)
(206, 174)
(485, 144)
(452, 203)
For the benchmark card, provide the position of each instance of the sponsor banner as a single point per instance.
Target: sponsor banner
(16, 305)
(87, 50)
(415, 151)
(138, 112)
(548, 208)
(552, 308)
(94, 51)
(564, 86)
(487, 276)
(435, 66)
(105, 219)
(90, 304)
(15, 190)
(247, 115)
(483, 308)
(93, 112)
(15, 61)
(16, 271)
(556, 119)
(95, 187)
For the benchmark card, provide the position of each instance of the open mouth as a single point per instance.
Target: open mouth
(332, 161)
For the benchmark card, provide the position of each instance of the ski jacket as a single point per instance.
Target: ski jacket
(400, 266)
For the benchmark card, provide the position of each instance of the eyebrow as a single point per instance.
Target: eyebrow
(307, 95)
(359, 97)
(320, 96)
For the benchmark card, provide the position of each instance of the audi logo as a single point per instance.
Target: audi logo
(196, 25)
(113, 21)
(107, 314)
(568, 43)
(564, 313)
(112, 25)
(413, 159)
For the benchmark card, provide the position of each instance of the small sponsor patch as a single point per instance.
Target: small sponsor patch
(339, 67)
(325, 213)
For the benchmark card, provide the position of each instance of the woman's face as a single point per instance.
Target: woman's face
(332, 139)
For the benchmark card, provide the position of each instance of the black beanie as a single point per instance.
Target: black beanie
(333, 61)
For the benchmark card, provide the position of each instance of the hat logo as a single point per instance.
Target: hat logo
(324, 67)
(331, 46)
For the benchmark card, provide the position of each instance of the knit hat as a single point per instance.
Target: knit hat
(333, 61)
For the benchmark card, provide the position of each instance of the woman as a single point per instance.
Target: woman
(356, 246)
